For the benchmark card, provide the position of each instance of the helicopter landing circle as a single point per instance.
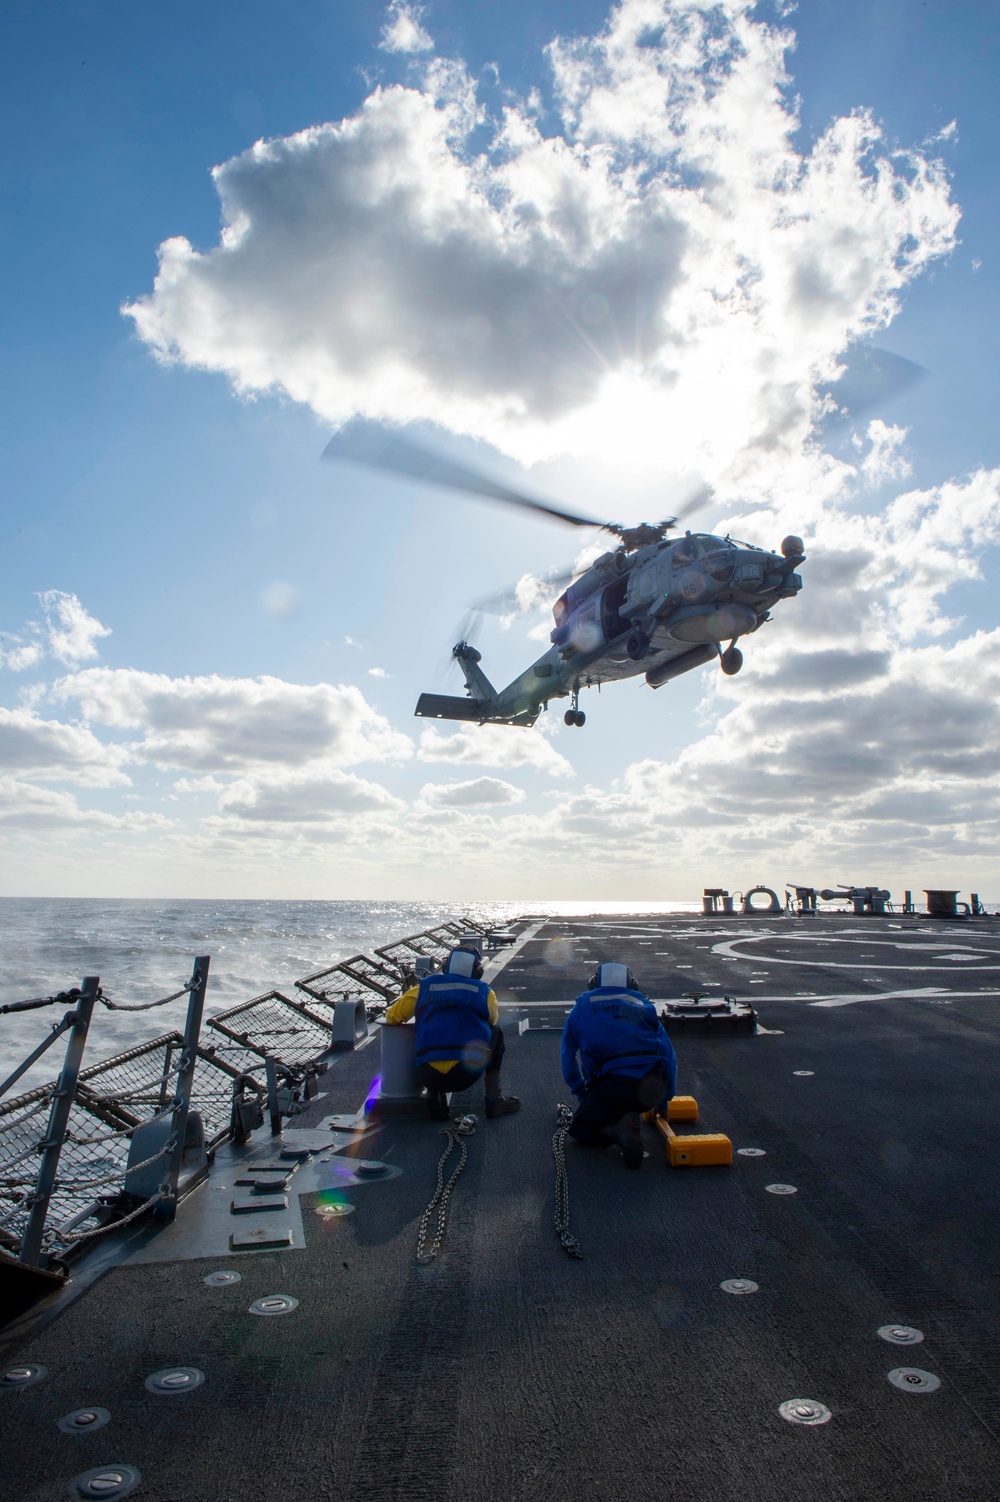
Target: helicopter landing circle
(946, 955)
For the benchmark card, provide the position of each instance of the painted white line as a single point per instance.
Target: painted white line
(924, 993)
(492, 968)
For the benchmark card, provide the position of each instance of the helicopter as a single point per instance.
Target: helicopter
(653, 605)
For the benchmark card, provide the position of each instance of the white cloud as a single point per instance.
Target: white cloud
(215, 724)
(493, 746)
(71, 631)
(20, 655)
(25, 806)
(68, 633)
(312, 797)
(667, 256)
(52, 750)
(403, 32)
(481, 792)
(378, 673)
(885, 460)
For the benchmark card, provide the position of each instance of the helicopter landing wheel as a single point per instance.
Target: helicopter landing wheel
(574, 717)
(637, 645)
(731, 661)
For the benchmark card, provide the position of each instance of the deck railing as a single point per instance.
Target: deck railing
(100, 1146)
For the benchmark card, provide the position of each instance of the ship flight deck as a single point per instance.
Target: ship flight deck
(505, 1369)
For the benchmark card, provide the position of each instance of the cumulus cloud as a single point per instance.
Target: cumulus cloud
(49, 749)
(403, 32)
(23, 805)
(312, 797)
(480, 792)
(493, 746)
(667, 253)
(67, 632)
(72, 632)
(885, 459)
(216, 724)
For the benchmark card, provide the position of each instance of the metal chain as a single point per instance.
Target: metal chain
(456, 1134)
(569, 1243)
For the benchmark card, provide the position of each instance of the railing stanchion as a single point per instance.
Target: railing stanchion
(55, 1136)
(273, 1104)
(166, 1209)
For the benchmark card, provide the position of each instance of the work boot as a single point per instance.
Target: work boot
(438, 1108)
(630, 1139)
(501, 1105)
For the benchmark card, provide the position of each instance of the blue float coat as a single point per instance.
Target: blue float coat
(454, 1017)
(615, 1032)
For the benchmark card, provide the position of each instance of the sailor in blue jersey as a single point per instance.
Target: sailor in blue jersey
(458, 1040)
(628, 1062)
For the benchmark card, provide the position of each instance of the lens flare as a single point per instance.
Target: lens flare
(331, 1204)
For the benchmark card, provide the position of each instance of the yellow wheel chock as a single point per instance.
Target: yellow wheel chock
(694, 1149)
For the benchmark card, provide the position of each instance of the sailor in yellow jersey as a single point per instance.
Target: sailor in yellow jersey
(458, 1038)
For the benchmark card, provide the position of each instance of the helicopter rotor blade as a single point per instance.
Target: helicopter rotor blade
(380, 449)
(468, 629)
(506, 601)
(703, 496)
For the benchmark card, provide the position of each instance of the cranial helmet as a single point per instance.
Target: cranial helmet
(464, 962)
(612, 973)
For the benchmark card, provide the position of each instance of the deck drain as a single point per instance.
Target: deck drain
(222, 1279)
(371, 1170)
(805, 1411)
(900, 1335)
(175, 1379)
(751, 1152)
(739, 1285)
(912, 1379)
(274, 1303)
(105, 1481)
(23, 1376)
(782, 1189)
(84, 1420)
(804, 1074)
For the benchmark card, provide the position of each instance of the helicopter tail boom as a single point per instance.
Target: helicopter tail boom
(447, 707)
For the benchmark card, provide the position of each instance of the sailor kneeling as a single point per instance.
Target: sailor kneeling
(628, 1061)
(458, 1039)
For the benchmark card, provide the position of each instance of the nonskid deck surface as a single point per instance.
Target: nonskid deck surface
(505, 1369)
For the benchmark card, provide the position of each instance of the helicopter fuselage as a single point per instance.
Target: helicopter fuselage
(657, 611)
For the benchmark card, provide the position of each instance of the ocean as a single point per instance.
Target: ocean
(143, 949)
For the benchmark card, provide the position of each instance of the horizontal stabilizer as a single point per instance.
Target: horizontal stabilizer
(446, 707)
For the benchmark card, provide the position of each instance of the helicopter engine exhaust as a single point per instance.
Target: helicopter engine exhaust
(678, 665)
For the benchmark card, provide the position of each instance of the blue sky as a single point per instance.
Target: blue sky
(198, 526)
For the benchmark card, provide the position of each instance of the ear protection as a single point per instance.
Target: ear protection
(464, 962)
(612, 973)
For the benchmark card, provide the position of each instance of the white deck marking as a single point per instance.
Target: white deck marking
(728, 953)
(492, 968)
